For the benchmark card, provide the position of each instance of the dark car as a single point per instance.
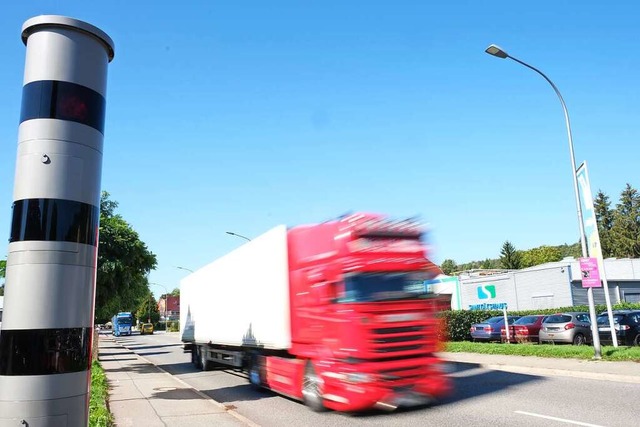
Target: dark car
(571, 328)
(626, 325)
(525, 329)
(489, 330)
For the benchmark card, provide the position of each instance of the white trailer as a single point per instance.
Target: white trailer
(238, 302)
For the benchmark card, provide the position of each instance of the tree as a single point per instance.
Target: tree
(148, 310)
(175, 292)
(574, 250)
(124, 261)
(625, 231)
(540, 255)
(510, 258)
(449, 266)
(489, 264)
(604, 218)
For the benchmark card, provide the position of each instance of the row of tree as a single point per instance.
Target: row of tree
(124, 262)
(511, 258)
(619, 230)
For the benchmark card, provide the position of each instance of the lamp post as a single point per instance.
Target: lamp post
(238, 235)
(184, 268)
(499, 53)
(166, 295)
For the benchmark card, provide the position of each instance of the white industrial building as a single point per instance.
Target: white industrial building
(550, 285)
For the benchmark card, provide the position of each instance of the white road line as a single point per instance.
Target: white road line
(562, 420)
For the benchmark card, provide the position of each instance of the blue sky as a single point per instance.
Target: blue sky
(239, 116)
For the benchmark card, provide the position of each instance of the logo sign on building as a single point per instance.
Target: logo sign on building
(590, 273)
(486, 292)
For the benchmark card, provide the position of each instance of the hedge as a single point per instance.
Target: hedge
(458, 323)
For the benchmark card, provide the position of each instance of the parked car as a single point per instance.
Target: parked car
(626, 325)
(525, 329)
(489, 330)
(572, 328)
(146, 328)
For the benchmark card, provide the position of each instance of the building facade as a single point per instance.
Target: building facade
(550, 285)
(169, 307)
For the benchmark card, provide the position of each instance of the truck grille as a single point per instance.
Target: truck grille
(401, 343)
(399, 340)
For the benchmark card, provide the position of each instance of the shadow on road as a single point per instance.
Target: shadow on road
(238, 393)
(471, 385)
(149, 347)
(466, 385)
(173, 393)
(153, 353)
(115, 353)
(140, 368)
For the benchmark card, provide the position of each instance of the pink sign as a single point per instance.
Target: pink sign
(590, 273)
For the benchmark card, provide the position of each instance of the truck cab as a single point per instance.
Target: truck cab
(362, 314)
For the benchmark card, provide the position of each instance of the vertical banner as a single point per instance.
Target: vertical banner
(593, 241)
(588, 213)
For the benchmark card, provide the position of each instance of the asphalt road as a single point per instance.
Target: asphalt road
(482, 397)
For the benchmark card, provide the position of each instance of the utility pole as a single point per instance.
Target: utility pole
(47, 325)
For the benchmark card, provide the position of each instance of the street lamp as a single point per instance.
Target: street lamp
(238, 235)
(166, 295)
(184, 268)
(499, 53)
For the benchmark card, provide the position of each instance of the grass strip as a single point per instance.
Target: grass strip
(546, 350)
(99, 415)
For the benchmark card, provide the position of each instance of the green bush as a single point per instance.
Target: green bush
(174, 326)
(458, 323)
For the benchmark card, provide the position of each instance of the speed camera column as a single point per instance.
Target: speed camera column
(45, 342)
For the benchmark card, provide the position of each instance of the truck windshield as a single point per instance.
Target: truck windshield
(365, 287)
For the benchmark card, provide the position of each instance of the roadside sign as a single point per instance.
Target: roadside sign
(590, 273)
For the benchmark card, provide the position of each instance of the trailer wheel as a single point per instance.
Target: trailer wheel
(205, 364)
(312, 385)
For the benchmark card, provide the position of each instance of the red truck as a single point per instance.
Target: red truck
(335, 314)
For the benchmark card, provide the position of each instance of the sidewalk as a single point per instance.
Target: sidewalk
(143, 395)
(590, 369)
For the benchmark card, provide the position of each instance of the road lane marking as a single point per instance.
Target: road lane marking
(562, 420)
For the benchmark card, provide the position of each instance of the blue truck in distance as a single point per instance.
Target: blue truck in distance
(122, 324)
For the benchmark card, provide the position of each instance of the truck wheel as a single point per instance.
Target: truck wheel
(205, 364)
(312, 385)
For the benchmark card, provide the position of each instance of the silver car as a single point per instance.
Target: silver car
(572, 328)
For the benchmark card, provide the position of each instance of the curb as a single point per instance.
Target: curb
(231, 412)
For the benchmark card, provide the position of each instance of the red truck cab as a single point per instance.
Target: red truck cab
(364, 331)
